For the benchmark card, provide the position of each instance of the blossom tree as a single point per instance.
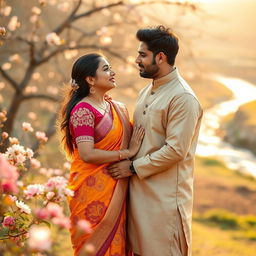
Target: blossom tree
(38, 41)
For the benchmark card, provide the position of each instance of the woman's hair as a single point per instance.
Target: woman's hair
(160, 39)
(83, 67)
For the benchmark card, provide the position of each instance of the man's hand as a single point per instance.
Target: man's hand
(120, 170)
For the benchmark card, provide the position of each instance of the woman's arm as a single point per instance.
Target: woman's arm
(98, 156)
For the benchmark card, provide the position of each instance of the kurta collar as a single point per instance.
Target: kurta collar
(165, 79)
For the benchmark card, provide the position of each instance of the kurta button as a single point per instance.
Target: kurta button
(146, 105)
(152, 93)
(144, 112)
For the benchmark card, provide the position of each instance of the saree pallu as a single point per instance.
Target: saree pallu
(99, 198)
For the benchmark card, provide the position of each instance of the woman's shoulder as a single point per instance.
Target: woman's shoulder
(82, 105)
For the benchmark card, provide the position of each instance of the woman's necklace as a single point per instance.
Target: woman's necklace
(99, 106)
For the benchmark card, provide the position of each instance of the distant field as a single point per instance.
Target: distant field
(224, 211)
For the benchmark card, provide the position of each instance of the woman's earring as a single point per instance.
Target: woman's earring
(92, 91)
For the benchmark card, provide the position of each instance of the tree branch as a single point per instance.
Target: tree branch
(27, 76)
(39, 96)
(98, 9)
(93, 46)
(10, 80)
(68, 20)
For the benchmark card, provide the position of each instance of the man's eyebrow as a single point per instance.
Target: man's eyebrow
(141, 52)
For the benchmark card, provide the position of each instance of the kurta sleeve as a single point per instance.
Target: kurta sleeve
(82, 120)
(183, 115)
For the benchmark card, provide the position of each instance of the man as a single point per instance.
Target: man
(161, 183)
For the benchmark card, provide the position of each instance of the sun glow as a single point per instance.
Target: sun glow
(196, 1)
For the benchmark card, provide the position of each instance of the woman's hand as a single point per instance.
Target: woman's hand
(136, 140)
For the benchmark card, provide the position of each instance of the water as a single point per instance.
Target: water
(210, 145)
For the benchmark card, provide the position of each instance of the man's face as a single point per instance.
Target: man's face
(146, 62)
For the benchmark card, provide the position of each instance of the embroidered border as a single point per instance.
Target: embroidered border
(84, 138)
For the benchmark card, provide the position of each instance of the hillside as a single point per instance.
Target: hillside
(240, 128)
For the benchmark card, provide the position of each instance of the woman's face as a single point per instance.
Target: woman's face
(104, 76)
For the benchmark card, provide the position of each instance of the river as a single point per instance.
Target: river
(210, 145)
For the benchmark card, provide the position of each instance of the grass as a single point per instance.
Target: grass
(211, 241)
(224, 221)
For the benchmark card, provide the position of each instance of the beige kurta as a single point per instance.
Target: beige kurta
(163, 186)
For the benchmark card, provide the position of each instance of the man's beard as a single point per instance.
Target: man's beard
(150, 72)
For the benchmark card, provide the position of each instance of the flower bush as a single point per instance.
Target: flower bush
(28, 211)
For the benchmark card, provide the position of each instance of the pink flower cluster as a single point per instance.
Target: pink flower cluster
(8, 176)
(54, 213)
(27, 127)
(58, 186)
(34, 190)
(17, 154)
(54, 190)
(8, 222)
(41, 136)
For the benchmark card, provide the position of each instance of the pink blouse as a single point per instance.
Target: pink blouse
(83, 122)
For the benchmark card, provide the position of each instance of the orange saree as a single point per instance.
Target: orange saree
(99, 198)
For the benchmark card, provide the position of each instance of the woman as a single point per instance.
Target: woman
(97, 132)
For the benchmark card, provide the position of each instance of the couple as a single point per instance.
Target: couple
(153, 162)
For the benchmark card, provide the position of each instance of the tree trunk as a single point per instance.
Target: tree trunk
(11, 115)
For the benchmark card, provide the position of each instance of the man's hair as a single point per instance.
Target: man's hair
(160, 39)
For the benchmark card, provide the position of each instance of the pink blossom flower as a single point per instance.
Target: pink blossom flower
(35, 10)
(41, 136)
(35, 163)
(53, 39)
(6, 10)
(23, 207)
(58, 185)
(89, 248)
(27, 127)
(6, 66)
(62, 222)
(65, 6)
(8, 176)
(33, 190)
(17, 154)
(5, 135)
(14, 23)
(8, 222)
(32, 115)
(34, 19)
(57, 172)
(29, 153)
(67, 165)
(54, 210)
(42, 214)
(84, 226)
(15, 58)
(13, 140)
(39, 238)
(12, 198)
(50, 195)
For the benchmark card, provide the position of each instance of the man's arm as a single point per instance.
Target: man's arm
(183, 115)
